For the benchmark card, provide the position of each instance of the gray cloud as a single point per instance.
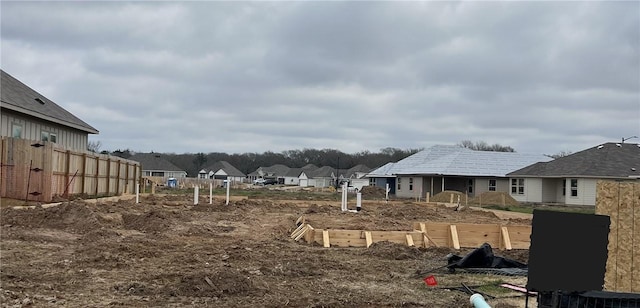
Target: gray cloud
(256, 76)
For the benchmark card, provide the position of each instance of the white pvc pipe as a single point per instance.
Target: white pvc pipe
(228, 187)
(358, 201)
(196, 191)
(137, 193)
(344, 197)
(210, 193)
(386, 194)
(478, 301)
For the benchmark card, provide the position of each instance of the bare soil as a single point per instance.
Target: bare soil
(167, 252)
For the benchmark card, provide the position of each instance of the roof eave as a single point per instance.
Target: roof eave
(38, 115)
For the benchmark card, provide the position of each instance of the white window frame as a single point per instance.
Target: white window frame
(517, 186)
(574, 189)
(399, 182)
(410, 184)
(494, 186)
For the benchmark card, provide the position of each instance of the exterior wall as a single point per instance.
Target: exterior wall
(586, 192)
(321, 182)
(481, 185)
(407, 189)
(291, 180)
(532, 190)
(32, 128)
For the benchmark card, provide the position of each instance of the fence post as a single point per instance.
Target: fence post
(66, 172)
(118, 179)
(84, 172)
(108, 191)
(97, 173)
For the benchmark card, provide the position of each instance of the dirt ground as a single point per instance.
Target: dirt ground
(167, 252)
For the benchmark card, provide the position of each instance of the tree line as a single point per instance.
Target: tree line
(192, 163)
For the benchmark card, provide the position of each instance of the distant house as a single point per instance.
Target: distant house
(356, 176)
(293, 176)
(572, 179)
(153, 164)
(27, 114)
(443, 167)
(276, 172)
(222, 170)
(322, 177)
(383, 176)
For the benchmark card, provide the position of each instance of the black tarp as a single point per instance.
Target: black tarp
(482, 257)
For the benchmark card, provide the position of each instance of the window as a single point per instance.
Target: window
(410, 183)
(47, 136)
(399, 182)
(517, 186)
(574, 187)
(470, 190)
(492, 185)
(564, 187)
(16, 131)
(372, 181)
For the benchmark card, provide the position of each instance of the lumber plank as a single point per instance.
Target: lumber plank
(302, 233)
(506, 241)
(367, 236)
(325, 239)
(309, 235)
(410, 240)
(296, 231)
(455, 243)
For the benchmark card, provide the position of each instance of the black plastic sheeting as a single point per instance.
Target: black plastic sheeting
(482, 257)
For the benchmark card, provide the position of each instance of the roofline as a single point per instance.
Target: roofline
(574, 176)
(38, 115)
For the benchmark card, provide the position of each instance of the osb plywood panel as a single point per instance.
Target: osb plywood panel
(620, 201)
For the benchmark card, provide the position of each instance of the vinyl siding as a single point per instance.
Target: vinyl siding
(532, 191)
(481, 185)
(32, 129)
(586, 192)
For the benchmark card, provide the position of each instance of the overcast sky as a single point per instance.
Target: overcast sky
(235, 77)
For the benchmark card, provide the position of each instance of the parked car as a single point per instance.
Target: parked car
(270, 182)
(258, 182)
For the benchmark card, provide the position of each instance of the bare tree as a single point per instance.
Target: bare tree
(559, 154)
(94, 146)
(483, 146)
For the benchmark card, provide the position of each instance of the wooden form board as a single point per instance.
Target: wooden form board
(424, 235)
(473, 235)
(621, 202)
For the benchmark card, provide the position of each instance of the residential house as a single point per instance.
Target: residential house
(27, 114)
(153, 164)
(276, 172)
(382, 176)
(572, 179)
(322, 177)
(443, 167)
(222, 170)
(295, 175)
(357, 176)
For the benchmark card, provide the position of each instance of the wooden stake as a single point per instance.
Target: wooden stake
(410, 240)
(506, 241)
(454, 237)
(367, 236)
(325, 239)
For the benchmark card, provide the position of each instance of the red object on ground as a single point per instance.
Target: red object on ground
(431, 281)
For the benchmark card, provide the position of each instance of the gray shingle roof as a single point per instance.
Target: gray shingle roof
(458, 161)
(228, 168)
(19, 97)
(154, 161)
(605, 161)
(322, 172)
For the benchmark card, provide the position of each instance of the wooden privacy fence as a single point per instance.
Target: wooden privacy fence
(621, 202)
(425, 234)
(39, 171)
